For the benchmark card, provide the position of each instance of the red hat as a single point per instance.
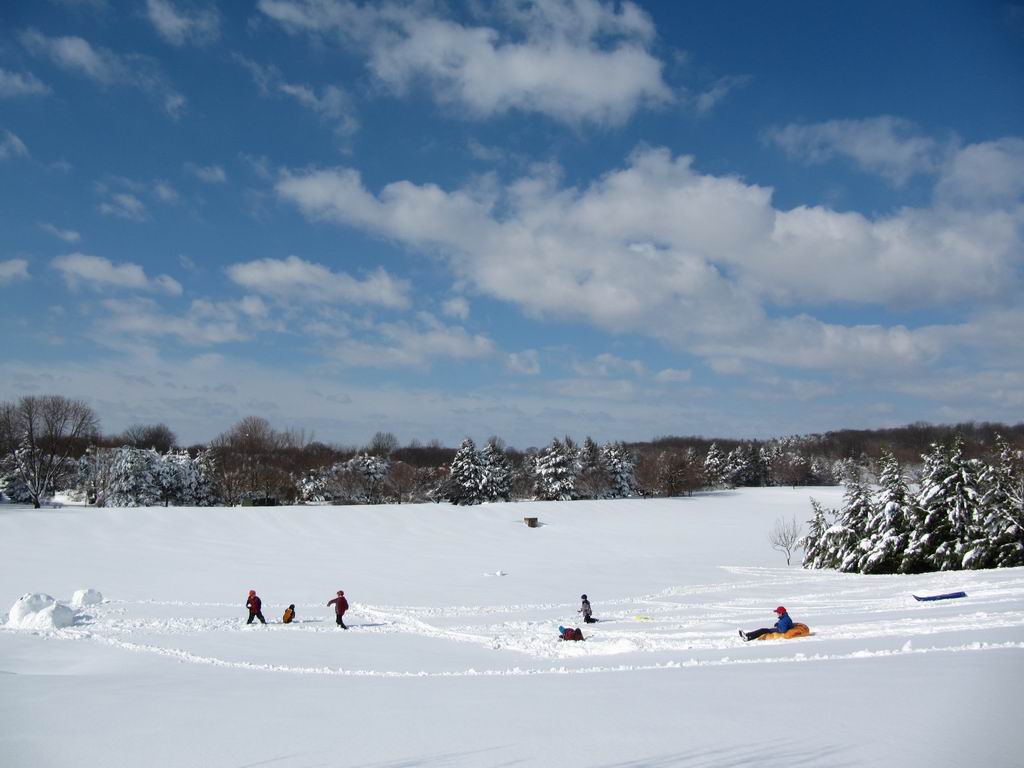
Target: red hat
(780, 609)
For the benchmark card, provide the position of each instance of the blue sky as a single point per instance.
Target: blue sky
(514, 218)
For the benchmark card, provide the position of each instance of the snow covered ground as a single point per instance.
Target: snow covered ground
(453, 660)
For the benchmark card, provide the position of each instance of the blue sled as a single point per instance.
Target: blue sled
(948, 596)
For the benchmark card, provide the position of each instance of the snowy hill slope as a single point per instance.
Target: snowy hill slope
(453, 659)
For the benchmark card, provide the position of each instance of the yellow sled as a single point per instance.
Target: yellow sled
(798, 630)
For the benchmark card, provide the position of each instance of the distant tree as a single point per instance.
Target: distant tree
(557, 469)
(815, 543)
(620, 468)
(785, 536)
(133, 480)
(888, 528)
(159, 437)
(594, 478)
(465, 482)
(714, 466)
(50, 432)
(497, 473)
(383, 444)
(401, 481)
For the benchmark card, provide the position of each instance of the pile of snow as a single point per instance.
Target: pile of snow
(84, 597)
(39, 611)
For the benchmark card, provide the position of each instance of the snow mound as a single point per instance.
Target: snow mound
(84, 597)
(39, 611)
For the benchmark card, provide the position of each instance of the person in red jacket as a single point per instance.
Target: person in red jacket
(255, 606)
(340, 606)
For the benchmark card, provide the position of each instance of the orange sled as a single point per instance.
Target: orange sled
(798, 630)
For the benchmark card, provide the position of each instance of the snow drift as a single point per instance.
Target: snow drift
(84, 597)
(36, 610)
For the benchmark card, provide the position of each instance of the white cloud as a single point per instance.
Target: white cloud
(888, 146)
(296, 279)
(67, 235)
(988, 174)
(18, 84)
(607, 364)
(209, 174)
(332, 102)
(202, 324)
(575, 61)
(13, 269)
(11, 146)
(413, 345)
(673, 376)
(711, 98)
(526, 362)
(102, 66)
(165, 192)
(702, 262)
(456, 307)
(124, 205)
(100, 273)
(178, 27)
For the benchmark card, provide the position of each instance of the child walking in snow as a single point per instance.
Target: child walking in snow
(340, 606)
(289, 614)
(588, 616)
(255, 606)
(784, 624)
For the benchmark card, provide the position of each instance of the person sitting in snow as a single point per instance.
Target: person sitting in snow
(569, 633)
(783, 625)
(340, 606)
(289, 614)
(588, 615)
(255, 606)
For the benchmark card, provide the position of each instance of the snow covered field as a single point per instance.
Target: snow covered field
(452, 659)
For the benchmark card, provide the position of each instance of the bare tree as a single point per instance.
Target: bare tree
(383, 444)
(159, 437)
(785, 536)
(49, 431)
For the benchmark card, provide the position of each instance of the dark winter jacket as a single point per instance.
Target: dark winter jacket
(340, 605)
(585, 609)
(254, 604)
(784, 624)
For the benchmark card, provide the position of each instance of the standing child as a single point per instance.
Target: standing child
(340, 606)
(588, 616)
(289, 614)
(255, 606)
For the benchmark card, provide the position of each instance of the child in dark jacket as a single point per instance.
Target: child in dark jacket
(783, 625)
(340, 606)
(588, 614)
(255, 606)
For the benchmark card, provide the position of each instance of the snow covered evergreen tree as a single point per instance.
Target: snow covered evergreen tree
(997, 539)
(594, 479)
(888, 528)
(846, 539)
(168, 476)
(621, 477)
(132, 479)
(816, 552)
(465, 484)
(557, 468)
(314, 487)
(497, 474)
(714, 466)
(201, 486)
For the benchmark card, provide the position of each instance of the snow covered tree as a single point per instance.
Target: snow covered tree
(133, 482)
(714, 466)
(370, 473)
(997, 538)
(888, 528)
(945, 510)
(594, 480)
(200, 488)
(169, 476)
(497, 474)
(816, 554)
(314, 487)
(50, 431)
(557, 469)
(466, 481)
(619, 464)
(846, 538)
